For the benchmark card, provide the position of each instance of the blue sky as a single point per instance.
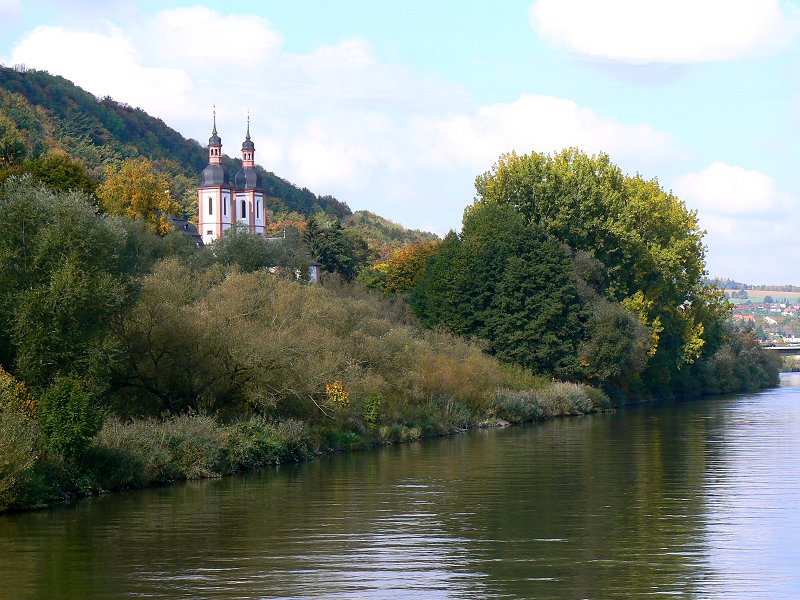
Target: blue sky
(396, 107)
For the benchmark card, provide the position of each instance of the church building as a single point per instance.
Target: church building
(222, 205)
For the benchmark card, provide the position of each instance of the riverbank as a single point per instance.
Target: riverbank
(145, 453)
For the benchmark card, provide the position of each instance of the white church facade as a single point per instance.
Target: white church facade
(222, 205)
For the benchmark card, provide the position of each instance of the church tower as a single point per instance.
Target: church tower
(250, 195)
(216, 211)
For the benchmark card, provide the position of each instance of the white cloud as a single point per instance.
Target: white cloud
(543, 124)
(198, 33)
(751, 223)
(104, 64)
(659, 31)
(336, 120)
(723, 190)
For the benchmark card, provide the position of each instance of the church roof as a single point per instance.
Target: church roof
(248, 143)
(215, 140)
(247, 179)
(215, 175)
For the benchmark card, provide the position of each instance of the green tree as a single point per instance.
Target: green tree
(509, 284)
(68, 419)
(649, 244)
(61, 282)
(339, 251)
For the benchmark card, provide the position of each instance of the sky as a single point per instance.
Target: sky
(396, 107)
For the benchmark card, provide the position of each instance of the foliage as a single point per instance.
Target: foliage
(406, 266)
(136, 190)
(12, 145)
(68, 419)
(60, 282)
(648, 243)
(337, 395)
(57, 171)
(14, 396)
(382, 235)
(18, 453)
(252, 252)
(50, 113)
(510, 284)
(339, 251)
(740, 365)
(555, 400)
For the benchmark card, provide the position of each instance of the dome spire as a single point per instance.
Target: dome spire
(214, 140)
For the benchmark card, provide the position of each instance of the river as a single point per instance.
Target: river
(693, 499)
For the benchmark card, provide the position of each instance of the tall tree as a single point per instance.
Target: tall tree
(136, 190)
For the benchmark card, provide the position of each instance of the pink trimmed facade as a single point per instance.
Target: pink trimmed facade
(222, 205)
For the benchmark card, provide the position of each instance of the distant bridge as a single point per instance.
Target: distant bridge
(787, 349)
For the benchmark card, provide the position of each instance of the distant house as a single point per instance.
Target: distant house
(186, 228)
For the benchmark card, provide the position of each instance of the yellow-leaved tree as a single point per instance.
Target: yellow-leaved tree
(137, 190)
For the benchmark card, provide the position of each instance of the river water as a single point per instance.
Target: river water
(693, 499)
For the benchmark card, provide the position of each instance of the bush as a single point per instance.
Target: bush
(18, 451)
(258, 442)
(556, 399)
(148, 451)
(68, 419)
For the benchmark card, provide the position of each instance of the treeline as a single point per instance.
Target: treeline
(129, 358)
(568, 267)
(47, 123)
(41, 113)
(729, 284)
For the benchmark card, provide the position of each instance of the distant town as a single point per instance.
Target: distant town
(774, 315)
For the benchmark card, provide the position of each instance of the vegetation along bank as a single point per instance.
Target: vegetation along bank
(131, 357)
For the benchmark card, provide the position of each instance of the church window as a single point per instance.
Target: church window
(225, 207)
(244, 209)
(210, 205)
(258, 209)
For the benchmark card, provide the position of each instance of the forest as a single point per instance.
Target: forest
(131, 357)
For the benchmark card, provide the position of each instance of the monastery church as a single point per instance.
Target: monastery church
(222, 205)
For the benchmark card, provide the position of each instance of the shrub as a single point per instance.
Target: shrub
(13, 394)
(183, 447)
(18, 452)
(258, 442)
(554, 400)
(68, 419)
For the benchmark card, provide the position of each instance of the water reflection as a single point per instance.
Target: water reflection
(693, 499)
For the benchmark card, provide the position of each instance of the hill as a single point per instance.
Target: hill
(384, 235)
(42, 113)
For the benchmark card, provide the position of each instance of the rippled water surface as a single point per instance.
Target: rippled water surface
(690, 499)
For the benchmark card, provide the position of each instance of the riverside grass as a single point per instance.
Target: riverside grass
(148, 452)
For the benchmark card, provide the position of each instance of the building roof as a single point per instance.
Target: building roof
(214, 140)
(247, 179)
(248, 143)
(214, 175)
(183, 226)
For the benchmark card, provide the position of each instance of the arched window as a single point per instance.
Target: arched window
(244, 209)
(210, 205)
(258, 209)
(225, 207)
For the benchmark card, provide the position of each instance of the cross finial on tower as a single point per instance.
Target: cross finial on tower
(214, 112)
(248, 125)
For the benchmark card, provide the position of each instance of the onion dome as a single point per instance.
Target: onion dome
(247, 179)
(215, 175)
